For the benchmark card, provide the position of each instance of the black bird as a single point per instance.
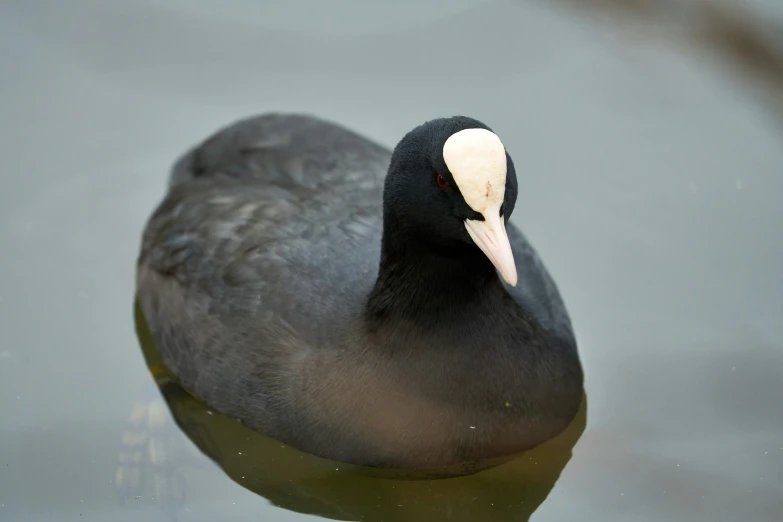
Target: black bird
(398, 323)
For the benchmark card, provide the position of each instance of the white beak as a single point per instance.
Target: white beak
(490, 236)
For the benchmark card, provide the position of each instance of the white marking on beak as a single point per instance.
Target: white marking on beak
(491, 237)
(477, 161)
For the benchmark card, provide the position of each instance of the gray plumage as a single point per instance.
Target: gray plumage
(254, 275)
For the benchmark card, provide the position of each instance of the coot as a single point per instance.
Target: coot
(369, 306)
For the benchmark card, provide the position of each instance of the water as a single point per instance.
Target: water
(650, 180)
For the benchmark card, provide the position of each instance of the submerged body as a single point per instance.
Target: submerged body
(285, 287)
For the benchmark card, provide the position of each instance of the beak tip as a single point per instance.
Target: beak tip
(491, 238)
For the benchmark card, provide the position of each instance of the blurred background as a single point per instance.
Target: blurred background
(648, 143)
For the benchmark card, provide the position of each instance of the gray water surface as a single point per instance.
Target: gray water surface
(650, 182)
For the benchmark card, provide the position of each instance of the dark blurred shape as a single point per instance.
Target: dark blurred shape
(745, 41)
(307, 484)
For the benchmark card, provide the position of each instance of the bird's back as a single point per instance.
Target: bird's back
(272, 214)
(261, 252)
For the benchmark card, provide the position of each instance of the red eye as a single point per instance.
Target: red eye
(442, 183)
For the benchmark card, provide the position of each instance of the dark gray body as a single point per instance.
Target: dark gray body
(253, 277)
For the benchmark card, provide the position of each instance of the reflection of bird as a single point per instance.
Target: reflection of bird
(412, 328)
(307, 484)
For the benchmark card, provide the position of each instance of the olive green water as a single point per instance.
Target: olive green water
(650, 182)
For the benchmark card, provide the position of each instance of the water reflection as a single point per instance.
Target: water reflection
(153, 462)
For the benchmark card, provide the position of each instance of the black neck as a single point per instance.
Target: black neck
(421, 282)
